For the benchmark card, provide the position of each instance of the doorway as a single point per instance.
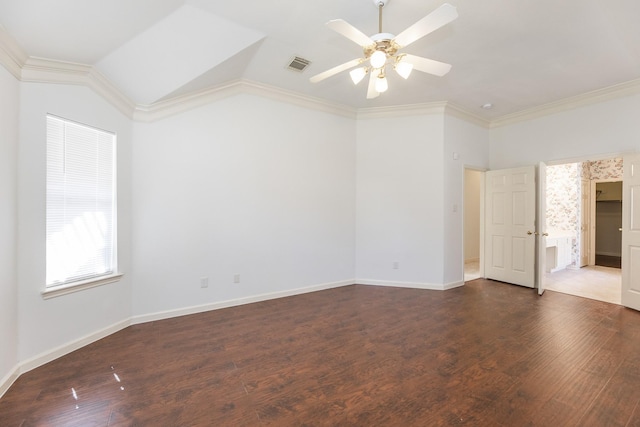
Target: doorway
(607, 244)
(575, 229)
(568, 246)
(472, 223)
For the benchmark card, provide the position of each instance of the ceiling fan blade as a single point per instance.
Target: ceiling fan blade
(436, 19)
(349, 31)
(335, 70)
(371, 90)
(427, 65)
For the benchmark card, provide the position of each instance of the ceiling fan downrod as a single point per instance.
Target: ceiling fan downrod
(380, 4)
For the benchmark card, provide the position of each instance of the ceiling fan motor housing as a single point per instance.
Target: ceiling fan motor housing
(384, 42)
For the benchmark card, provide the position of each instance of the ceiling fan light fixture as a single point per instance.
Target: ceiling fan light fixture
(378, 59)
(358, 74)
(382, 49)
(381, 83)
(404, 69)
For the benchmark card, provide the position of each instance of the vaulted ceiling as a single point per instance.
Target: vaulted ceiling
(516, 55)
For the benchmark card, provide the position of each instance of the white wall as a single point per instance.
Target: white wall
(600, 129)
(399, 200)
(9, 101)
(246, 186)
(471, 144)
(47, 324)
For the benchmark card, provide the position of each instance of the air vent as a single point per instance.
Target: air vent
(298, 64)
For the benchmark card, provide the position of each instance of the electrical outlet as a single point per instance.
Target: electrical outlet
(396, 265)
(204, 282)
(236, 278)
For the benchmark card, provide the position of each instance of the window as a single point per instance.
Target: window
(81, 204)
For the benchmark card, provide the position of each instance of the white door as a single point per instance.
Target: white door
(631, 232)
(510, 206)
(541, 234)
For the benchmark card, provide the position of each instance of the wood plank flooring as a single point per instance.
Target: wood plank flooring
(609, 261)
(486, 354)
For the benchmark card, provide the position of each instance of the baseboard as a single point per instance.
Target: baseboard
(236, 302)
(412, 285)
(8, 380)
(57, 352)
(453, 285)
(64, 349)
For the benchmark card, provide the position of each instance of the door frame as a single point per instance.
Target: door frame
(540, 263)
(585, 226)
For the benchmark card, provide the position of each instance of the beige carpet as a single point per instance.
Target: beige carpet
(594, 282)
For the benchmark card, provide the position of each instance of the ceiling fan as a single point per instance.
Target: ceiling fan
(383, 49)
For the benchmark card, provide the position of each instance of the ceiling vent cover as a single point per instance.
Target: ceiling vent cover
(298, 64)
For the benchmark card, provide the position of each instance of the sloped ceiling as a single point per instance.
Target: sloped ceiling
(514, 54)
(177, 49)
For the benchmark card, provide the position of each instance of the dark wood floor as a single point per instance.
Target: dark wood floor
(609, 261)
(486, 354)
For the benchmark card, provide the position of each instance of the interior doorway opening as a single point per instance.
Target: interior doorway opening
(473, 180)
(575, 227)
(607, 245)
(570, 250)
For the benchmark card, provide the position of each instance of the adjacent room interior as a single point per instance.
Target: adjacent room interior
(584, 220)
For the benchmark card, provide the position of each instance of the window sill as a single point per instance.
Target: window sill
(68, 288)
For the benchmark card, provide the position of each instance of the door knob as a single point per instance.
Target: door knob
(529, 233)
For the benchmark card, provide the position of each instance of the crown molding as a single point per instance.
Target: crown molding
(101, 85)
(165, 108)
(447, 108)
(462, 114)
(12, 57)
(402, 110)
(596, 96)
(41, 70)
(32, 69)
(298, 99)
(172, 106)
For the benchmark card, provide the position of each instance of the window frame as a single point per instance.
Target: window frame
(80, 283)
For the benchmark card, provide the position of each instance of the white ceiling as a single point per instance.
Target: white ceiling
(514, 54)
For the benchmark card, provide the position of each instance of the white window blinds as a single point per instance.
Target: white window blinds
(81, 202)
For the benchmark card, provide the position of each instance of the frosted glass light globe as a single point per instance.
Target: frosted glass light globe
(357, 75)
(381, 84)
(404, 69)
(378, 59)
